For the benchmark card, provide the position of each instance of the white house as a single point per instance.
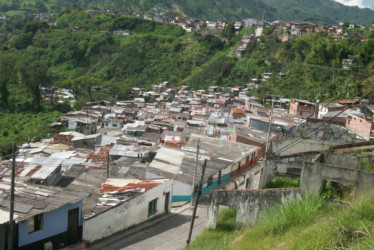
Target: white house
(225, 160)
(125, 203)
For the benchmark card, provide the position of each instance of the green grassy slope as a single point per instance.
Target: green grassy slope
(308, 224)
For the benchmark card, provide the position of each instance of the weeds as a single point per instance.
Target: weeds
(283, 216)
(300, 224)
(284, 182)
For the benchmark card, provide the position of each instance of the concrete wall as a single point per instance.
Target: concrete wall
(284, 146)
(267, 172)
(249, 203)
(313, 175)
(55, 222)
(291, 165)
(344, 161)
(126, 214)
(248, 180)
(365, 184)
(288, 169)
(322, 138)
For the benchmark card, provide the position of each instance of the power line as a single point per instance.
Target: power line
(325, 122)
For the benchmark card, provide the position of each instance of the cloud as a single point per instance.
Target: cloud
(360, 3)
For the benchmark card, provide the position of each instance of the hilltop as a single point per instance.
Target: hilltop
(318, 11)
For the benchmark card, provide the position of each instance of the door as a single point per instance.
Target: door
(167, 199)
(73, 217)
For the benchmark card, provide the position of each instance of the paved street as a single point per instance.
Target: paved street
(168, 234)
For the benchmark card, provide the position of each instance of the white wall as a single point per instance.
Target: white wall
(110, 125)
(126, 214)
(179, 188)
(72, 125)
(182, 189)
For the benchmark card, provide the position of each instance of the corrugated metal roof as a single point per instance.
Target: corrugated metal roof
(85, 137)
(116, 191)
(40, 168)
(34, 199)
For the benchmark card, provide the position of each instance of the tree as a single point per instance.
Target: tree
(35, 75)
(40, 7)
(86, 83)
(229, 31)
(71, 87)
(8, 75)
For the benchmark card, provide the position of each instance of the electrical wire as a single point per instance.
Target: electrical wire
(324, 123)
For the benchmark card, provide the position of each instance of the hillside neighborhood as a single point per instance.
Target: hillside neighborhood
(113, 121)
(110, 167)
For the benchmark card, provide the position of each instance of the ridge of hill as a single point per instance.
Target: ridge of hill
(316, 11)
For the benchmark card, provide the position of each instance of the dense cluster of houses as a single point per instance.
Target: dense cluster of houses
(119, 165)
(289, 30)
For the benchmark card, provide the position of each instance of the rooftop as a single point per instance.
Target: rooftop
(31, 200)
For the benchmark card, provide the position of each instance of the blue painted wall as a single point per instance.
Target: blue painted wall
(224, 179)
(176, 198)
(55, 222)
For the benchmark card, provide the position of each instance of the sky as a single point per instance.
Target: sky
(360, 3)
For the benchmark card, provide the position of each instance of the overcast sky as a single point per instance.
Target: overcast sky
(360, 3)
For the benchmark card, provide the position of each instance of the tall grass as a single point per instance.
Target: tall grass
(285, 215)
(299, 224)
(284, 182)
(222, 236)
(226, 220)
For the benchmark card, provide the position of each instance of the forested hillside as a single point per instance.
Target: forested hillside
(318, 11)
(78, 51)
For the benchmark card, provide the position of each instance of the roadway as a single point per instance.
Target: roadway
(169, 232)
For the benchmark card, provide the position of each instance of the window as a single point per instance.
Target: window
(114, 125)
(35, 223)
(152, 207)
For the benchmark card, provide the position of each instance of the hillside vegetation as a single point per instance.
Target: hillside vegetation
(307, 224)
(155, 53)
(79, 52)
(318, 11)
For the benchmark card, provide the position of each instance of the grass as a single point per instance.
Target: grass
(284, 182)
(365, 163)
(222, 236)
(303, 224)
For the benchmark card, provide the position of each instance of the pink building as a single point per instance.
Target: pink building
(360, 124)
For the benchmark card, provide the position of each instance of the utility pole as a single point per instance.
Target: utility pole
(197, 203)
(194, 173)
(11, 210)
(107, 165)
(269, 129)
